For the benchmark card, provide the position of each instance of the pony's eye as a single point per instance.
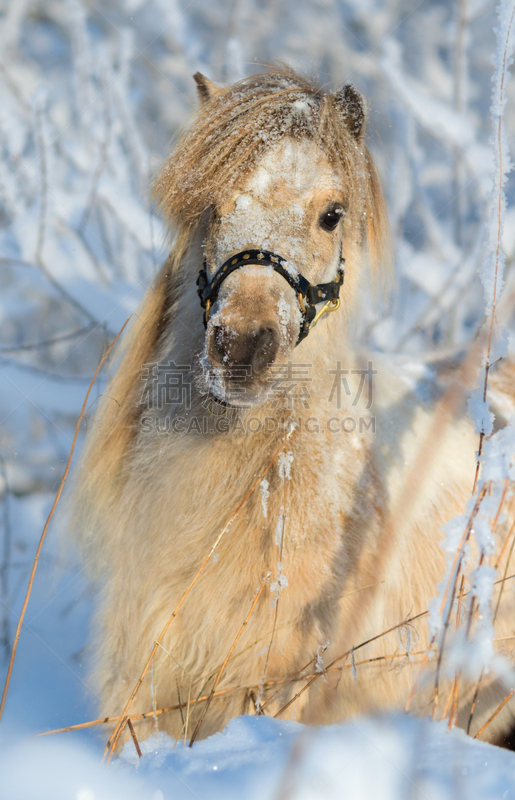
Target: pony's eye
(330, 219)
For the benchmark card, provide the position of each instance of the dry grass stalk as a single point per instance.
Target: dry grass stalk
(456, 571)
(512, 531)
(471, 615)
(134, 738)
(456, 683)
(277, 600)
(49, 519)
(116, 737)
(456, 566)
(298, 676)
(283, 682)
(187, 721)
(134, 717)
(221, 693)
(502, 582)
(113, 741)
(454, 575)
(452, 694)
(500, 197)
(417, 680)
(448, 408)
(179, 698)
(453, 717)
(493, 716)
(222, 668)
(154, 696)
(500, 214)
(345, 655)
(474, 701)
(448, 703)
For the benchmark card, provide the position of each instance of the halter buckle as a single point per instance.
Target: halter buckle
(331, 305)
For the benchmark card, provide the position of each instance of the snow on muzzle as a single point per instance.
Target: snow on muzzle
(254, 325)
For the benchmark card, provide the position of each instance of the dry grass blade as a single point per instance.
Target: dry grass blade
(455, 570)
(503, 548)
(500, 178)
(452, 694)
(345, 655)
(448, 407)
(222, 668)
(49, 519)
(111, 744)
(297, 677)
(187, 721)
(453, 717)
(502, 582)
(456, 683)
(474, 701)
(417, 680)
(135, 717)
(221, 693)
(497, 711)
(277, 600)
(119, 730)
(504, 578)
(454, 575)
(134, 738)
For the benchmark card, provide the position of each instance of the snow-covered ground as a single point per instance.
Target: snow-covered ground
(90, 95)
(257, 758)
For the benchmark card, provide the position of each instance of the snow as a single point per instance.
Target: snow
(384, 758)
(265, 494)
(480, 412)
(279, 530)
(285, 462)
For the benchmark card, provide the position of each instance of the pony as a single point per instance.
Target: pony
(243, 431)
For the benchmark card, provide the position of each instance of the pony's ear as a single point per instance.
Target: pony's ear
(351, 104)
(206, 89)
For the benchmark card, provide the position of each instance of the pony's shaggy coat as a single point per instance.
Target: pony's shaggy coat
(348, 532)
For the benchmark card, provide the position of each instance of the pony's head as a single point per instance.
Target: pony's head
(280, 170)
(274, 164)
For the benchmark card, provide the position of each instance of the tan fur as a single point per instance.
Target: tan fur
(151, 504)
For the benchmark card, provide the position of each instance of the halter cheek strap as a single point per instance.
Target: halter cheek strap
(309, 295)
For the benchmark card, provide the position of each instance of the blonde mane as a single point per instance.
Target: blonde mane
(239, 125)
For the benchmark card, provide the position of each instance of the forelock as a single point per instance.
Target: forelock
(235, 129)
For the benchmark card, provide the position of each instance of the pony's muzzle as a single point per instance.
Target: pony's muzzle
(254, 350)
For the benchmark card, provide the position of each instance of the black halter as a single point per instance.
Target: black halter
(308, 294)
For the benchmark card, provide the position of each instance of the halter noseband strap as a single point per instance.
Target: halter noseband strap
(308, 294)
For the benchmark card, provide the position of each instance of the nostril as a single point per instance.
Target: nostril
(255, 348)
(265, 346)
